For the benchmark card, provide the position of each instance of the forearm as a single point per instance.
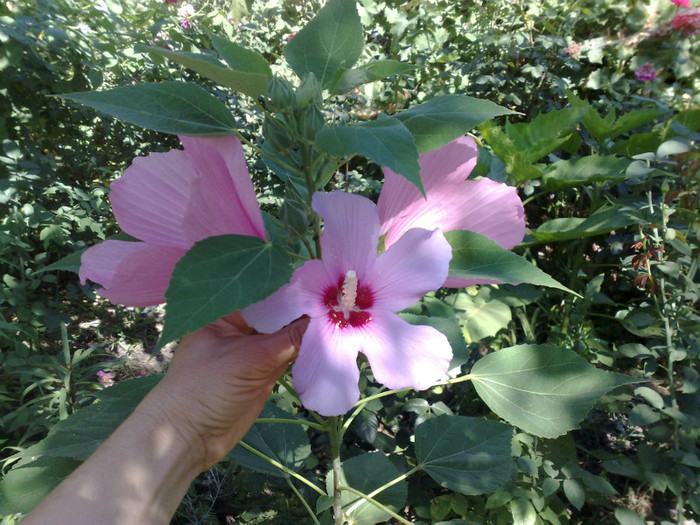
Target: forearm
(138, 476)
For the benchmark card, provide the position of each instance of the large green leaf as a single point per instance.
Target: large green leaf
(286, 443)
(443, 119)
(585, 170)
(367, 473)
(466, 454)
(219, 275)
(376, 70)
(170, 107)
(604, 220)
(475, 256)
(21, 489)
(386, 141)
(251, 84)
(80, 434)
(239, 58)
(543, 389)
(331, 42)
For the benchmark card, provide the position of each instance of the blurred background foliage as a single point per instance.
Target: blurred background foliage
(604, 153)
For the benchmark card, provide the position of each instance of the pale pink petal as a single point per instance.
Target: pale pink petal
(453, 203)
(403, 355)
(302, 296)
(131, 273)
(152, 196)
(350, 231)
(223, 198)
(325, 373)
(417, 264)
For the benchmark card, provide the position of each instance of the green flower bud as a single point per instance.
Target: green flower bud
(281, 94)
(278, 137)
(310, 122)
(293, 215)
(308, 92)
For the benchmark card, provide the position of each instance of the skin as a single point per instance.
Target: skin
(212, 393)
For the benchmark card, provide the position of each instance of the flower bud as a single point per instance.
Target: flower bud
(308, 92)
(293, 215)
(275, 134)
(310, 122)
(281, 94)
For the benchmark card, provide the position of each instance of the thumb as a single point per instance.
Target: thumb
(284, 344)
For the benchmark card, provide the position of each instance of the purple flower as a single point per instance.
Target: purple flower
(185, 24)
(351, 296)
(645, 73)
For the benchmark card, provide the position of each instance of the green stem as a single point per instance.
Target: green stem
(375, 503)
(454, 381)
(289, 388)
(304, 422)
(281, 467)
(303, 502)
(333, 429)
(384, 487)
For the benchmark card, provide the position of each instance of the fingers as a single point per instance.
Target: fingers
(284, 344)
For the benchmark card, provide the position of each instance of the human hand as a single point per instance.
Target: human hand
(218, 382)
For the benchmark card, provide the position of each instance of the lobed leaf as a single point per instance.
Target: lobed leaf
(219, 275)
(332, 41)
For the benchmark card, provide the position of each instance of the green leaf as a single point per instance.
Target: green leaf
(543, 134)
(585, 170)
(542, 389)
(465, 454)
(80, 434)
(219, 275)
(239, 58)
(69, 263)
(475, 256)
(331, 41)
(21, 489)
(628, 517)
(604, 220)
(286, 443)
(251, 84)
(386, 141)
(376, 70)
(478, 316)
(443, 119)
(367, 473)
(170, 107)
(574, 493)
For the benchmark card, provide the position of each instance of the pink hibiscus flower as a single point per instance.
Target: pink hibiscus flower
(687, 20)
(351, 296)
(453, 203)
(167, 201)
(682, 3)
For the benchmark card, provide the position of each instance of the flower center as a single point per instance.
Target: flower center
(347, 302)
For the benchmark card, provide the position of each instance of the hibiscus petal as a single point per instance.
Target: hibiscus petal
(131, 273)
(403, 355)
(302, 296)
(151, 198)
(452, 202)
(417, 264)
(325, 373)
(350, 231)
(223, 198)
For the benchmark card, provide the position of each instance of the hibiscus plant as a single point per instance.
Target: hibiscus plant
(198, 241)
